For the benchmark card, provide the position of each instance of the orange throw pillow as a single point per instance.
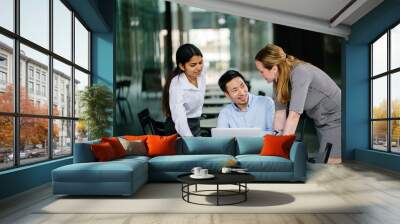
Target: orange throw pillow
(135, 137)
(116, 145)
(103, 151)
(277, 145)
(161, 145)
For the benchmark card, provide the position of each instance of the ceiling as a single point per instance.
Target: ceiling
(97, 14)
(333, 17)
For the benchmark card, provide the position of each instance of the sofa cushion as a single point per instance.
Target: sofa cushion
(116, 145)
(133, 147)
(93, 172)
(118, 177)
(185, 163)
(112, 171)
(161, 145)
(103, 151)
(277, 145)
(131, 158)
(206, 145)
(135, 137)
(257, 163)
(249, 145)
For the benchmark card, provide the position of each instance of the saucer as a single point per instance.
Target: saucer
(240, 171)
(208, 176)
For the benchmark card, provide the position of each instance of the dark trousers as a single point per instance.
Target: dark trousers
(194, 125)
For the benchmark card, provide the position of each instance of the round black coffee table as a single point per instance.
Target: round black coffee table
(238, 179)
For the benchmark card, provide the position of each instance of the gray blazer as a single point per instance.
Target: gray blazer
(314, 92)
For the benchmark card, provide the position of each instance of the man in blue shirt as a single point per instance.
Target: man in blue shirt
(246, 110)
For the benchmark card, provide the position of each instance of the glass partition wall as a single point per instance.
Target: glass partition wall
(148, 34)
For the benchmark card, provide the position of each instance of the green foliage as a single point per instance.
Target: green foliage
(380, 127)
(96, 102)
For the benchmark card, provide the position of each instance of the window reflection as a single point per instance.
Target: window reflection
(34, 21)
(379, 55)
(62, 89)
(62, 29)
(81, 45)
(379, 135)
(395, 95)
(6, 74)
(33, 140)
(7, 14)
(81, 131)
(6, 142)
(395, 47)
(395, 138)
(379, 98)
(34, 97)
(81, 81)
(62, 133)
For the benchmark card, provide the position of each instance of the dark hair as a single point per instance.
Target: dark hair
(227, 77)
(184, 53)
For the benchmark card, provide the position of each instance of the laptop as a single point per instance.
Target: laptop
(236, 132)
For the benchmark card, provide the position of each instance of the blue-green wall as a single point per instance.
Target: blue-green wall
(356, 82)
(102, 58)
(24, 178)
(103, 61)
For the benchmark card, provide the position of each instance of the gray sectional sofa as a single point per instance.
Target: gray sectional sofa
(125, 176)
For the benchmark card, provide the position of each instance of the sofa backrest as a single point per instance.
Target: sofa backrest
(190, 146)
(206, 145)
(83, 152)
(249, 145)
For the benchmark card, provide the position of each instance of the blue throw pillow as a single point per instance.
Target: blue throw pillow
(207, 145)
(249, 145)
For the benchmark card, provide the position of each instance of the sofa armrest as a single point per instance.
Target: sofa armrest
(83, 152)
(298, 155)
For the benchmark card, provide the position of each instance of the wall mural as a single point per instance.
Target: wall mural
(149, 32)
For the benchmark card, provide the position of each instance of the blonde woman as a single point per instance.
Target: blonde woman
(301, 87)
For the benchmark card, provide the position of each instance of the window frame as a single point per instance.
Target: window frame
(388, 74)
(16, 114)
(3, 77)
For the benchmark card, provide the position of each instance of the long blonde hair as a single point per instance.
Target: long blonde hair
(272, 55)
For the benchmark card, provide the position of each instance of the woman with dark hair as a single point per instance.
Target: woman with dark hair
(184, 91)
(301, 87)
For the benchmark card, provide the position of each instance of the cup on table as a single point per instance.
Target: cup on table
(203, 172)
(196, 170)
(226, 170)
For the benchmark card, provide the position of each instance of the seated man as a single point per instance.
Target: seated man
(246, 110)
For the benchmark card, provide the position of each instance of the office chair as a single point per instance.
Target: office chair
(327, 152)
(328, 147)
(302, 125)
(325, 155)
(149, 125)
(124, 107)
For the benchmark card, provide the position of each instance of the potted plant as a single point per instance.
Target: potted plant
(96, 102)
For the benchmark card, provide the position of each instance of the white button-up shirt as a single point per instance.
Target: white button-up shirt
(186, 101)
